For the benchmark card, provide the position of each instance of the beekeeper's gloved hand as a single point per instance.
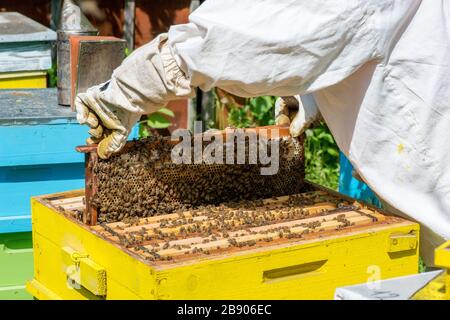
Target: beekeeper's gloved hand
(148, 79)
(297, 113)
(110, 125)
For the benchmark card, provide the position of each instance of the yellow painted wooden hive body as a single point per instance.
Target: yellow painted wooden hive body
(23, 80)
(293, 247)
(439, 288)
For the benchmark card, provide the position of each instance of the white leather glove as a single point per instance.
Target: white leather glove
(144, 82)
(297, 112)
(110, 125)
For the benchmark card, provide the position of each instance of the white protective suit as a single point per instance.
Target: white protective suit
(379, 71)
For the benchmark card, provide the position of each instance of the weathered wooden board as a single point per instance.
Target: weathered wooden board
(25, 45)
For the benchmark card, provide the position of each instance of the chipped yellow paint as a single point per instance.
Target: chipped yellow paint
(400, 148)
(301, 270)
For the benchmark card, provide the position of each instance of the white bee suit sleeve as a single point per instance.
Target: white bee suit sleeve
(147, 80)
(281, 47)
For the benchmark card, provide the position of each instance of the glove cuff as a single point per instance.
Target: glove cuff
(147, 80)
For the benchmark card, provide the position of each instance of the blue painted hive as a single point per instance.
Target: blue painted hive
(37, 154)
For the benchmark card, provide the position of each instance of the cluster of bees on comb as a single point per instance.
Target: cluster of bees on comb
(235, 225)
(143, 181)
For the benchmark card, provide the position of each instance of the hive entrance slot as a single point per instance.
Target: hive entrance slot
(288, 273)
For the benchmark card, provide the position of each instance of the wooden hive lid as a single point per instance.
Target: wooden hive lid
(15, 27)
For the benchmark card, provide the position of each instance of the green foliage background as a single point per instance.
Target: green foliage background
(322, 157)
(156, 120)
(52, 77)
(321, 151)
(257, 111)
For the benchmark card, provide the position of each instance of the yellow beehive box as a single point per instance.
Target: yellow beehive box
(346, 244)
(25, 52)
(23, 80)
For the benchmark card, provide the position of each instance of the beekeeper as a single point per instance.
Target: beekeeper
(378, 71)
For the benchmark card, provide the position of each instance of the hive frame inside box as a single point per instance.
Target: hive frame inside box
(90, 215)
